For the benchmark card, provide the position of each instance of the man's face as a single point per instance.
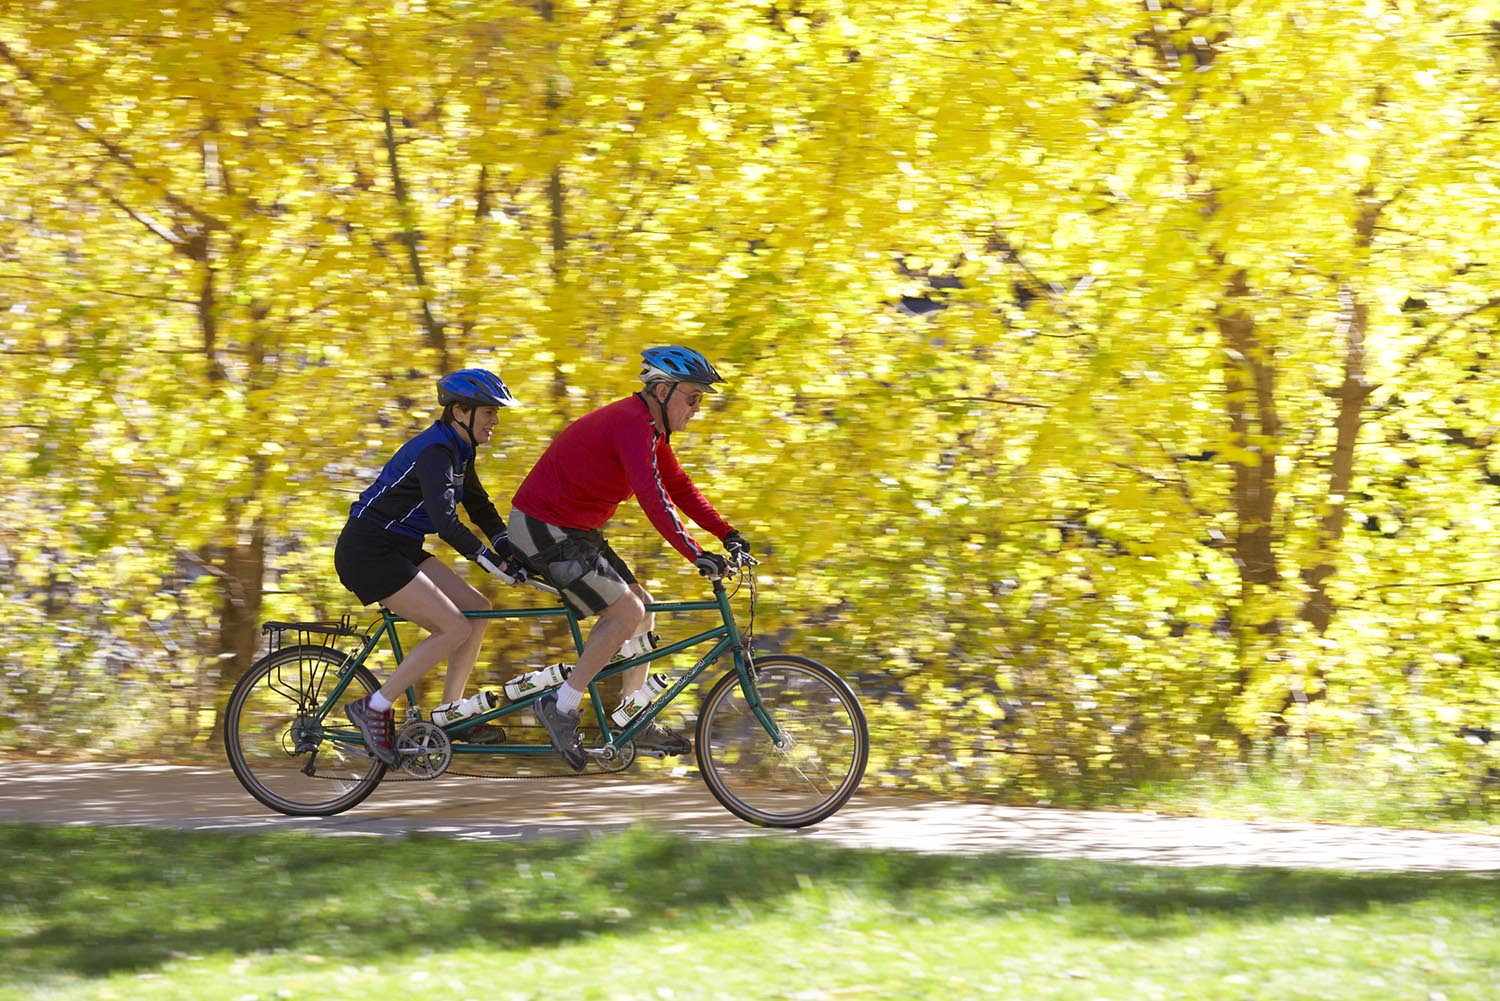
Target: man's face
(683, 405)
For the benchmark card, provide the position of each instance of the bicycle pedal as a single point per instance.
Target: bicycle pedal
(610, 754)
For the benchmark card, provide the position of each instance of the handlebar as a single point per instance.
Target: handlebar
(541, 586)
(737, 563)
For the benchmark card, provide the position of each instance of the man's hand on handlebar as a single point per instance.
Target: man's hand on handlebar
(711, 565)
(739, 550)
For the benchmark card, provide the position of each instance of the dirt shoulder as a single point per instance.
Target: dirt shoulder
(204, 798)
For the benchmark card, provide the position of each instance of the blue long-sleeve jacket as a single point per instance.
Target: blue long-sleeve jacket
(418, 492)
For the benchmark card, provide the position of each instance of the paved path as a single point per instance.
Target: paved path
(209, 799)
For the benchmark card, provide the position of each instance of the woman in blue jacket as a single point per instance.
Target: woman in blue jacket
(380, 558)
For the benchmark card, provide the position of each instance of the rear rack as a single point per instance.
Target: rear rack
(303, 632)
(309, 655)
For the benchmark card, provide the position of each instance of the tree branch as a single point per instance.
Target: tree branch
(1433, 583)
(115, 152)
(1437, 335)
(990, 399)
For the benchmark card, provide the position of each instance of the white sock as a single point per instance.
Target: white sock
(379, 702)
(568, 699)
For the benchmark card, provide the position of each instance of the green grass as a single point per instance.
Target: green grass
(131, 913)
(1324, 794)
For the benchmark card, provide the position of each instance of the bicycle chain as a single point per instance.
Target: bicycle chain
(594, 772)
(397, 775)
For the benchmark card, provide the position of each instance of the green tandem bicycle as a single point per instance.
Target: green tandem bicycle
(780, 741)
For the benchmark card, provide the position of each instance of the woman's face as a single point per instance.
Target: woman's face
(485, 419)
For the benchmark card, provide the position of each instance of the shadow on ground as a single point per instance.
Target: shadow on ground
(91, 901)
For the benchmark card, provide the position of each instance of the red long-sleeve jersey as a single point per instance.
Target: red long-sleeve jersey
(603, 458)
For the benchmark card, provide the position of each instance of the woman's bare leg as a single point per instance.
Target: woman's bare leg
(466, 599)
(423, 602)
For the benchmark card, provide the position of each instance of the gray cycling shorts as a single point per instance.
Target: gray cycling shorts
(580, 564)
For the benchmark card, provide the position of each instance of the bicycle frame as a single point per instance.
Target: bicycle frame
(725, 638)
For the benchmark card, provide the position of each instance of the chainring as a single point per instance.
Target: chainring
(424, 749)
(624, 757)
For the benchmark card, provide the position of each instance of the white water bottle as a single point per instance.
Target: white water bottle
(640, 699)
(452, 712)
(537, 681)
(635, 647)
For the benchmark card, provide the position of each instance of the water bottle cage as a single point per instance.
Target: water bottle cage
(627, 711)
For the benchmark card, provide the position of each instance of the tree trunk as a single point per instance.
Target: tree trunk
(557, 203)
(241, 589)
(432, 329)
(1254, 427)
(1351, 394)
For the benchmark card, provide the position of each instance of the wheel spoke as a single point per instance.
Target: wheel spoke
(819, 761)
(281, 752)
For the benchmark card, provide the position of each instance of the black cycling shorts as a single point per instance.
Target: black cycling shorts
(374, 563)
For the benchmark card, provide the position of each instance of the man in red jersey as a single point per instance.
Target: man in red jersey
(601, 459)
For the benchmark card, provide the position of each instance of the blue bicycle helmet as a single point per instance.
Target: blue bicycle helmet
(678, 364)
(474, 387)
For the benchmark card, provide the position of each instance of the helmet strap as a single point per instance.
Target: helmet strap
(650, 395)
(469, 425)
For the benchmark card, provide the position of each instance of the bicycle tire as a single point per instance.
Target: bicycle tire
(793, 786)
(272, 738)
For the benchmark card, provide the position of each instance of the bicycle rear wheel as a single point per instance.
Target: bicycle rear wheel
(817, 763)
(281, 751)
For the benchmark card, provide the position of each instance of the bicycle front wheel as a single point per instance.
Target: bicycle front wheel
(810, 767)
(282, 752)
